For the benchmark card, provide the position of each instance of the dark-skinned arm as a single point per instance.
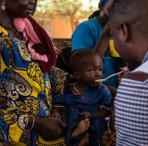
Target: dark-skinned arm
(103, 42)
(113, 91)
(104, 112)
(48, 128)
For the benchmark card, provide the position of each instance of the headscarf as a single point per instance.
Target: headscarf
(39, 44)
(103, 2)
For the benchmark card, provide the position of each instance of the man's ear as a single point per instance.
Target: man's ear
(124, 33)
(77, 75)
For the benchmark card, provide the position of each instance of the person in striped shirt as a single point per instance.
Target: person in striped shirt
(128, 25)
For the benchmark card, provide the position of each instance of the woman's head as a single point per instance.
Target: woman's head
(105, 6)
(18, 8)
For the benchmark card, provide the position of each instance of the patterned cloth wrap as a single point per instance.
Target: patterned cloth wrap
(58, 78)
(25, 89)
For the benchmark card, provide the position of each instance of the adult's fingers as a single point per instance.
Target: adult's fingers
(62, 125)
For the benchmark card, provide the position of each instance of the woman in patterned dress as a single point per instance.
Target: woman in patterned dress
(26, 57)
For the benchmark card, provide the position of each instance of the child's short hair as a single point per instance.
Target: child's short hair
(80, 58)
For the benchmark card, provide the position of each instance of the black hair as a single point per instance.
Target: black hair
(94, 14)
(126, 8)
(80, 58)
(130, 11)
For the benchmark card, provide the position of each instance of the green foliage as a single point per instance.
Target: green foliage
(72, 9)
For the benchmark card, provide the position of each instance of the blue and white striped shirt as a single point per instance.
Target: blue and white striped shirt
(131, 111)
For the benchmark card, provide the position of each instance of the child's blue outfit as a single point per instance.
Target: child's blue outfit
(90, 101)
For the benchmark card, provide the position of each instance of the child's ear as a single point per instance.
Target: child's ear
(77, 75)
(124, 33)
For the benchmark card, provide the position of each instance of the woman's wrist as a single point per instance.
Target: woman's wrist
(23, 121)
(31, 122)
(34, 124)
(28, 121)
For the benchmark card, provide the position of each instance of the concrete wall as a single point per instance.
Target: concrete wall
(57, 27)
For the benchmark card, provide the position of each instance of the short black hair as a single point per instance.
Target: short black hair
(94, 14)
(80, 58)
(126, 9)
(130, 11)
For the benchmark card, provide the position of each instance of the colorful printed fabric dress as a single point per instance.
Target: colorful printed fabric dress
(24, 89)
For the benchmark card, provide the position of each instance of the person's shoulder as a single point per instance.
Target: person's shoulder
(134, 85)
(81, 29)
(84, 25)
(94, 23)
(137, 76)
(89, 23)
(134, 80)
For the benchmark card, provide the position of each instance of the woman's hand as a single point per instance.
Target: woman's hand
(82, 127)
(49, 128)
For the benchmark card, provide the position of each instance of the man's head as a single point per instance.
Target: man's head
(105, 6)
(129, 28)
(86, 66)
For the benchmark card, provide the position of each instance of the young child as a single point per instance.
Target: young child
(83, 99)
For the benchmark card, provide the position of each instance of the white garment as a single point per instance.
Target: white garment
(142, 68)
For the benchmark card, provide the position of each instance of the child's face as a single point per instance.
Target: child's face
(91, 71)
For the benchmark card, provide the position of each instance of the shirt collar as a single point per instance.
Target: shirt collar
(145, 57)
(144, 66)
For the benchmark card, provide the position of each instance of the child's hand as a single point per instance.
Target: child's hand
(82, 128)
(86, 114)
(84, 141)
